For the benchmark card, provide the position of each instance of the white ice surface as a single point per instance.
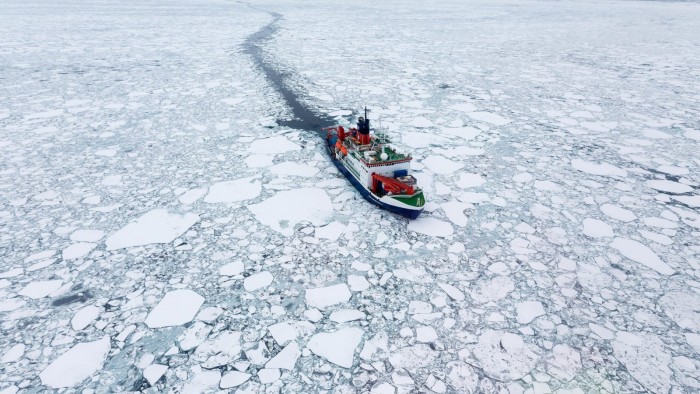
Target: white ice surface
(641, 253)
(177, 307)
(155, 226)
(77, 364)
(323, 297)
(257, 281)
(287, 208)
(337, 347)
(233, 191)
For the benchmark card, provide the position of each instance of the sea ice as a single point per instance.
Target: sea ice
(669, 186)
(640, 253)
(441, 164)
(426, 334)
(78, 250)
(431, 226)
(504, 356)
(234, 379)
(232, 269)
(324, 297)
(177, 307)
(294, 169)
(283, 332)
(156, 226)
(87, 235)
(272, 145)
(595, 228)
(645, 358)
(337, 347)
(618, 213)
(192, 195)
(489, 117)
(286, 358)
(13, 354)
(257, 281)
(528, 311)
(154, 372)
(40, 289)
(604, 169)
(84, 317)
(233, 191)
(285, 209)
(346, 315)
(76, 365)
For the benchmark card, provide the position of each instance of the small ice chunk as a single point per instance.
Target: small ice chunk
(84, 317)
(358, 283)
(426, 334)
(324, 297)
(77, 364)
(283, 332)
(176, 308)
(286, 358)
(231, 269)
(604, 169)
(203, 382)
(258, 354)
(154, 372)
(528, 311)
(331, 231)
(313, 315)
(640, 253)
(618, 213)
(233, 191)
(337, 347)
(415, 307)
(156, 226)
(257, 281)
(441, 165)
(13, 354)
(595, 228)
(669, 186)
(431, 226)
(452, 291)
(87, 236)
(40, 289)
(78, 250)
(547, 186)
(346, 315)
(267, 375)
(234, 379)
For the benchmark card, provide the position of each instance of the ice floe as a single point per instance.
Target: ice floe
(155, 226)
(337, 347)
(641, 253)
(77, 364)
(233, 191)
(177, 307)
(309, 204)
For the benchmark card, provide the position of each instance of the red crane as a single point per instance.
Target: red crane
(390, 185)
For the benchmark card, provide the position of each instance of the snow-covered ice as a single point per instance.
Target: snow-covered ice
(337, 347)
(175, 308)
(323, 297)
(156, 226)
(77, 364)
